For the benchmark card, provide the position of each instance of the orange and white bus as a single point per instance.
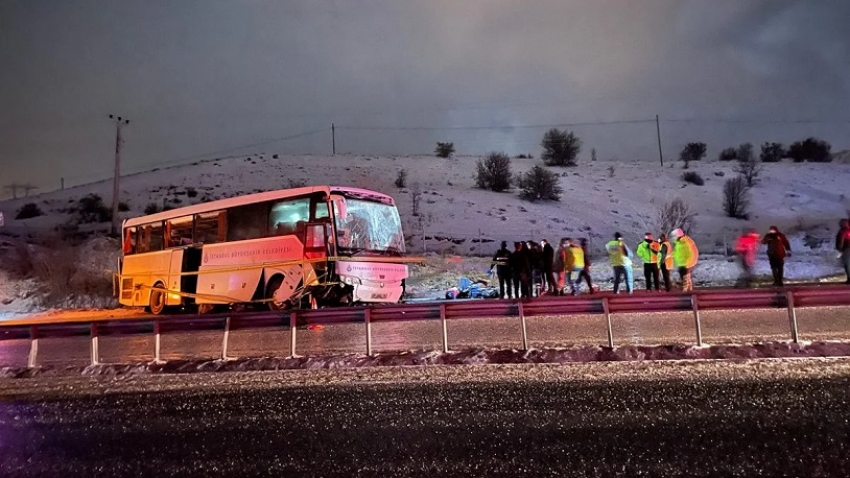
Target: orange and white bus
(321, 245)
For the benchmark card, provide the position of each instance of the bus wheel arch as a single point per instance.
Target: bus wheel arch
(274, 283)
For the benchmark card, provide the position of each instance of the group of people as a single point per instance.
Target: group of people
(659, 256)
(778, 248)
(534, 269)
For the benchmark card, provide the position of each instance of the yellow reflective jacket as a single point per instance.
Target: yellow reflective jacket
(685, 253)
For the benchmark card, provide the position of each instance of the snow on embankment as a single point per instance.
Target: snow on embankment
(469, 356)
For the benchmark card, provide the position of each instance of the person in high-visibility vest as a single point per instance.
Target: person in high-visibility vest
(665, 260)
(618, 256)
(578, 271)
(647, 250)
(685, 255)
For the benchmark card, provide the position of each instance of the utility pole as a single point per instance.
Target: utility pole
(658, 132)
(333, 139)
(118, 122)
(15, 187)
(62, 182)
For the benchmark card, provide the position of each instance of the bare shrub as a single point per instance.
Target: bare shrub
(92, 209)
(560, 148)
(692, 152)
(812, 149)
(65, 281)
(123, 207)
(444, 150)
(20, 262)
(611, 171)
(728, 154)
(152, 208)
(401, 178)
(736, 198)
(539, 184)
(749, 168)
(772, 152)
(494, 172)
(191, 192)
(29, 210)
(693, 177)
(675, 214)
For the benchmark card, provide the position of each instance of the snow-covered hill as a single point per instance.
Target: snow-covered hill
(600, 197)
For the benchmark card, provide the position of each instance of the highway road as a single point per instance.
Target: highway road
(764, 418)
(827, 323)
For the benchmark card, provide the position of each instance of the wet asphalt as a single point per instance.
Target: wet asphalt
(705, 427)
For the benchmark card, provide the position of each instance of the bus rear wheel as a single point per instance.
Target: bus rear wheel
(272, 286)
(157, 300)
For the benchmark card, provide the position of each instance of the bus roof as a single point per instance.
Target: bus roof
(256, 198)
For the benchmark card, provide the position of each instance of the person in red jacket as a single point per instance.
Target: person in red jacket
(778, 248)
(842, 245)
(747, 248)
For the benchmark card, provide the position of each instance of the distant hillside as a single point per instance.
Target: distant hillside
(600, 197)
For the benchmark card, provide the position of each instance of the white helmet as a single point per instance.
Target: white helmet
(677, 233)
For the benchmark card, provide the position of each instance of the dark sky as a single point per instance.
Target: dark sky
(210, 78)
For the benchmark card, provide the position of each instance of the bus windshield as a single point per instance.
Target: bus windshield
(368, 226)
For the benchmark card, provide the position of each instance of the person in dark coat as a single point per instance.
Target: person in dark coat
(548, 267)
(535, 256)
(778, 248)
(842, 245)
(501, 261)
(521, 270)
(586, 272)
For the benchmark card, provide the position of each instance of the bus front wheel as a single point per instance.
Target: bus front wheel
(157, 300)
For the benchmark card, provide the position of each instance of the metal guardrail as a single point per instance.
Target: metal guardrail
(600, 304)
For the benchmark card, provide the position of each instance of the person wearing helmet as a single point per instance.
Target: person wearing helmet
(648, 250)
(685, 257)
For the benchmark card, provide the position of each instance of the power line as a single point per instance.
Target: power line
(496, 127)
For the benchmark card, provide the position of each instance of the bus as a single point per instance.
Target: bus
(304, 247)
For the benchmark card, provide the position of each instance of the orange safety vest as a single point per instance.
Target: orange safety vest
(667, 258)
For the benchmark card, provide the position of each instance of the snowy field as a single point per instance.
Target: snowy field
(458, 224)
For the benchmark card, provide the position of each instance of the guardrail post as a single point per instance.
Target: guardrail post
(607, 309)
(522, 323)
(445, 328)
(792, 316)
(697, 326)
(225, 339)
(368, 319)
(156, 342)
(95, 352)
(31, 360)
(293, 322)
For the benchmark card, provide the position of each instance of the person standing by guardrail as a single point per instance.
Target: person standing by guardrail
(647, 250)
(578, 270)
(747, 248)
(501, 261)
(665, 260)
(618, 256)
(842, 245)
(559, 264)
(521, 269)
(548, 263)
(778, 248)
(586, 271)
(685, 256)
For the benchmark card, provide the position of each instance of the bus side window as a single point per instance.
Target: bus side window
(285, 216)
(210, 227)
(129, 245)
(247, 222)
(180, 231)
(156, 237)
